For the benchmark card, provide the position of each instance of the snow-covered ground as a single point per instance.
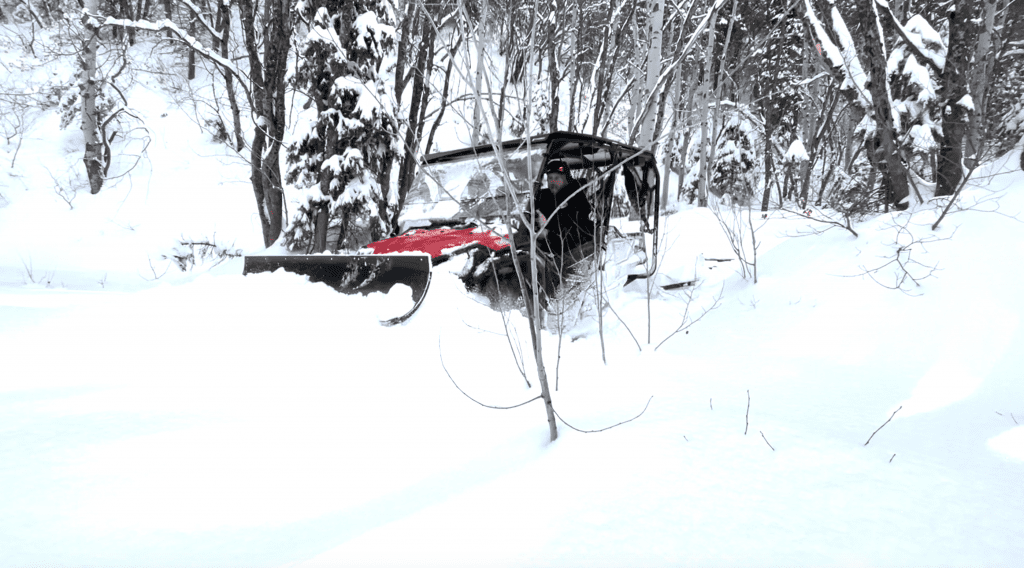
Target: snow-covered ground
(211, 419)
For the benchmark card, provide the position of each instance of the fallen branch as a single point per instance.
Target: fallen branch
(766, 441)
(824, 219)
(880, 427)
(684, 325)
(748, 414)
(609, 427)
(471, 398)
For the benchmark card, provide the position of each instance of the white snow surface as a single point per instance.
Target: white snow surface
(151, 417)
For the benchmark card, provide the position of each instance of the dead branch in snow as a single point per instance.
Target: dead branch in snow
(608, 427)
(467, 395)
(748, 414)
(819, 216)
(735, 232)
(766, 441)
(31, 274)
(153, 270)
(880, 427)
(686, 322)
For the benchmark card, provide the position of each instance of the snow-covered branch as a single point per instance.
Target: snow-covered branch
(172, 27)
(843, 56)
(199, 16)
(932, 58)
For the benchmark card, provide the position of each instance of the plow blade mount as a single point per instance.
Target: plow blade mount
(352, 274)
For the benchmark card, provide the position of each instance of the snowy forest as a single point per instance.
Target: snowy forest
(820, 363)
(787, 94)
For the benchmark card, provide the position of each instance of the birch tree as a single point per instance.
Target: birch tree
(648, 115)
(93, 157)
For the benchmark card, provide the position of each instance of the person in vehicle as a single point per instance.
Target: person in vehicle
(565, 211)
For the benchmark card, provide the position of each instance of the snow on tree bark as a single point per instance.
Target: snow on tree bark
(894, 173)
(93, 157)
(648, 117)
(979, 83)
(267, 83)
(955, 85)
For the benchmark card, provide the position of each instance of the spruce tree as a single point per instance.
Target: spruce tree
(339, 167)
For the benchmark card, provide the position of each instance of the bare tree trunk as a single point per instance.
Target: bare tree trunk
(477, 110)
(191, 52)
(405, 36)
(636, 93)
(983, 55)
(320, 227)
(553, 82)
(533, 303)
(895, 173)
(955, 115)
(224, 27)
(702, 184)
(574, 67)
(444, 97)
(720, 82)
(268, 87)
(93, 158)
(598, 76)
(649, 119)
(510, 55)
(806, 126)
(414, 130)
(126, 11)
(167, 14)
(769, 172)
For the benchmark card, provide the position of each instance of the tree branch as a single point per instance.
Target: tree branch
(906, 39)
(167, 25)
(473, 399)
(609, 427)
(880, 427)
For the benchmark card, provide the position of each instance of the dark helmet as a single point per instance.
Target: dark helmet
(558, 166)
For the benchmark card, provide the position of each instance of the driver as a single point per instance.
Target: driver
(569, 226)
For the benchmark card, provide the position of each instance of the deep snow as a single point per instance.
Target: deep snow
(211, 419)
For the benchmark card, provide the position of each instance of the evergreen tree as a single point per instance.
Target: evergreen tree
(340, 164)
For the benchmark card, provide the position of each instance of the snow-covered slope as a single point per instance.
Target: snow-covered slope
(213, 419)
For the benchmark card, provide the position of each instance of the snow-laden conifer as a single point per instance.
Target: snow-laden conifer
(339, 165)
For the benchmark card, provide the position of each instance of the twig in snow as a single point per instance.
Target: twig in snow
(1014, 419)
(609, 304)
(890, 459)
(880, 427)
(766, 441)
(153, 270)
(748, 414)
(469, 397)
(609, 427)
(684, 325)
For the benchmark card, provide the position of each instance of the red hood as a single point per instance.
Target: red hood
(439, 242)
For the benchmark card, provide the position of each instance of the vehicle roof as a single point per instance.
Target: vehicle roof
(564, 143)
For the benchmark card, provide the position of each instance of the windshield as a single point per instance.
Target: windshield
(470, 188)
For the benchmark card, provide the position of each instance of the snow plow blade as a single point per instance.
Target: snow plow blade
(355, 274)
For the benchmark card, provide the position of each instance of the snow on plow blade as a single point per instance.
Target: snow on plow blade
(352, 274)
